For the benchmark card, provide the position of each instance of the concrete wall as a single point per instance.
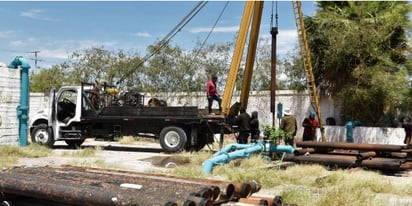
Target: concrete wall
(260, 101)
(9, 100)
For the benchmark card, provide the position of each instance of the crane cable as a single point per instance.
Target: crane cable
(167, 38)
(276, 16)
(211, 30)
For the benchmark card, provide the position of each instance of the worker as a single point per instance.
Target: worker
(310, 124)
(406, 124)
(243, 122)
(289, 124)
(254, 127)
(213, 94)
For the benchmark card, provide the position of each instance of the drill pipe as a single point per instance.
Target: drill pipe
(351, 146)
(303, 151)
(270, 200)
(227, 188)
(347, 161)
(365, 155)
(149, 188)
(197, 201)
(254, 201)
(60, 192)
(243, 190)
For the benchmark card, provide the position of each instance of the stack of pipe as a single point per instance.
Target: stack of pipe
(68, 185)
(347, 155)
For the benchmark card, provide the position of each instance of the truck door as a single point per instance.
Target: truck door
(52, 121)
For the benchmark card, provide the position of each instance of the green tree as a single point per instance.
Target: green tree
(359, 53)
(45, 79)
(97, 64)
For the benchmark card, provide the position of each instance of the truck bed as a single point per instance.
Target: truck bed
(150, 111)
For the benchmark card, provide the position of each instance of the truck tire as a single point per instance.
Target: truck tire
(173, 139)
(43, 135)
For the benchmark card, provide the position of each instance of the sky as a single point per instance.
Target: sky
(55, 29)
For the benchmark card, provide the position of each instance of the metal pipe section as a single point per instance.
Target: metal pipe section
(347, 161)
(80, 186)
(217, 187)
(365, 155)
(23, 108)
(351, 146)
(304, 151)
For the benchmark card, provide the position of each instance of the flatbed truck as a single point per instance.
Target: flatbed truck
(87, 111)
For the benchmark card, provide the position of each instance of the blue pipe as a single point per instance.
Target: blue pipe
(225, 157)
(232, 147)
(349, 130)
(23, 108)
(244, 151)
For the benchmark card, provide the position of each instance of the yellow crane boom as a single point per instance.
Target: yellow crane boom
(252, 9)
(307, 64)
(252, 13)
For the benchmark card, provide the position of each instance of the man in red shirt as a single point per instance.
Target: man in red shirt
(310, 124)
(213, 94)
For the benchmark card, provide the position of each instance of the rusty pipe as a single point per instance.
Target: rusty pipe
(303, 151)
(225, 187)
(243, 190)
(197, 201)
(347, 161)
(254, 201)
(351, 146)
(365, 155)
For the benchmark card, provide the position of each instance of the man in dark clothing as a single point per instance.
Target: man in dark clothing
(310, 125)
(254, 127)
(243, 122)
(213, 94)
(290, 126)
(406, 124)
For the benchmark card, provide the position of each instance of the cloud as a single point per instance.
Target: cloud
(18, 43)
(5, 34)
(216, 29)
(286, 41)
(36, 14)
(141, 34)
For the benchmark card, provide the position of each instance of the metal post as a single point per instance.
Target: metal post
(23, 108)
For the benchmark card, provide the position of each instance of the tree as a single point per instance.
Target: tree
(359, 51)
(46, 79)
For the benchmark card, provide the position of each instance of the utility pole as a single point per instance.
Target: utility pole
(35, 57)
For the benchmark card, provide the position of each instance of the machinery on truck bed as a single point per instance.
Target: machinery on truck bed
(79, 112)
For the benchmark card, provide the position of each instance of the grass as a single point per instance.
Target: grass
(134, 140)
(304, 185)
(11, 154)
(87, 152)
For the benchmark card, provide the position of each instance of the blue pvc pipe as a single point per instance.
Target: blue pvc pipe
(225, 157)
(23, 108)
(232, 147)
(349, 130)
(243, 151)
(281, 148)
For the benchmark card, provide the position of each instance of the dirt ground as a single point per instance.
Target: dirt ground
(142, 157)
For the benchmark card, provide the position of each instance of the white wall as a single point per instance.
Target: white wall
(9, 100)
(260, 101)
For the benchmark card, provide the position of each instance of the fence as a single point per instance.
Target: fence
(9, 100)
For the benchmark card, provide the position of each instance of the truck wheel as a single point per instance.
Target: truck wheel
(74, 143)
(42, 135)
(173, 139)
